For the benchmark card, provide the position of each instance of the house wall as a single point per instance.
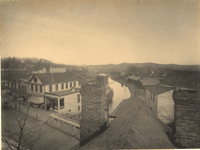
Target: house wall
(165, 111)
(71, 103)
(38, 84)
(34, 92)
(57, 69)
(60, 86)
(151, 100)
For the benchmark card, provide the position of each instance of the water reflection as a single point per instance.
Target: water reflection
(120, 92)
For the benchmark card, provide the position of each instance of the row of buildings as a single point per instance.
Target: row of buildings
(176, 100)
(54, 69)
(140, 124)
(136, 124)
(58, 90)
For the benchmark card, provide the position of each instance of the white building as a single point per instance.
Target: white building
(61, 90)
(40, 70)
(57, 69)
(160, 101)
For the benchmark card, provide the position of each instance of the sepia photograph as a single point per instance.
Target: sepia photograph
(100, 74)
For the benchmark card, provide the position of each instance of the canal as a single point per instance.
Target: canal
(121, 92)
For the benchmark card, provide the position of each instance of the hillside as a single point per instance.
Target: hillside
(141, 68)
(29, 64)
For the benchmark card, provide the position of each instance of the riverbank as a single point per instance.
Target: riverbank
(132, 88)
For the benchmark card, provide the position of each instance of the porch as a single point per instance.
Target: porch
(60, 101)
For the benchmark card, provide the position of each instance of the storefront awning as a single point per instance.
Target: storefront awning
(36, 100)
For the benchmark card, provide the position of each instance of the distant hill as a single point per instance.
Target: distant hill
(140, 69)
(30, 64)
(146, 68)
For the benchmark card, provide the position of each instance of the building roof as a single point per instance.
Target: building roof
(182, 78)
(134, 77)
(124, 105)
(149, 81)
(46, 78)
(63, 93)
(157, 89)
(134, 128)
(50, 139)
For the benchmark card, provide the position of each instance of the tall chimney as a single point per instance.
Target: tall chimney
(187, 118)
(102, 80)
(93, 120)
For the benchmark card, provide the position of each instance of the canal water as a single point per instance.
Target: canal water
(121, 92)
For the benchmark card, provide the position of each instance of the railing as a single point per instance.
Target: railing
(67, 120)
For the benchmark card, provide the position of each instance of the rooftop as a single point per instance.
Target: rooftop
(124, 105)
(46, 78)
(63, 93)
(149, 81)
(134, 128)
(157, 89)
(50, 139)
(134, 77)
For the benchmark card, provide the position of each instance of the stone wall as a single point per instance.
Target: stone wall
(187, 118)
(93, 118)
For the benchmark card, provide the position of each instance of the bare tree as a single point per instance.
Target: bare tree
(165, 115)
(17, 133)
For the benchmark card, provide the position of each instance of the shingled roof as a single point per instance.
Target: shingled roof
(134, 128)
(149, 81)
(46, 78)
(182, 78)
(157, 89)
(134, 77)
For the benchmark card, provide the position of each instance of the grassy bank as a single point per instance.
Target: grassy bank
(132, 88)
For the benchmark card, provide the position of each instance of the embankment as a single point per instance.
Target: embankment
(132, 88)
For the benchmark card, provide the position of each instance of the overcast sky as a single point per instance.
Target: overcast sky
(102, 31)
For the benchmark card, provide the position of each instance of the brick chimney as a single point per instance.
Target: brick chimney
(93, 120)
(102, 80)
(187, 118)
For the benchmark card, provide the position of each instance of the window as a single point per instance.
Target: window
(66, 85)
(56, 87)
(36, 90)
(11, 84)
(152, 96)
(62, 86)
(70, 84)
(78, 98)
(19, 87)
(78, 107)
(31, 87)
(35, 80)
(74, 83)
(40, 89)
(50, 88)
(62, 102)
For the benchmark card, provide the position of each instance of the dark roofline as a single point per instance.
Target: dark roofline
(45, 77)
(157, 89)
